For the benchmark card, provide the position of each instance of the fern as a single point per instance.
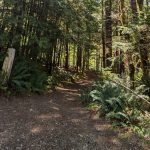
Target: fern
(123, 107)
(27, 76)
(120, 116)
(59, 76)
(109, 95)
(2, 57)
(38, 81)
(20, 75)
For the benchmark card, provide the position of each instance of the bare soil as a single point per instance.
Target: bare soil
(58, 121)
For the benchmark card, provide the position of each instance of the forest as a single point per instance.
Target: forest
(61, 42)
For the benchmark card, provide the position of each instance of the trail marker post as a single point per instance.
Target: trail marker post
(8, 63)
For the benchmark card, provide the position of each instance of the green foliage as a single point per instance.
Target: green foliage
(146, 81)
(38, 81)
(85, 96)
(38, 78)
(109, 95)
(3, 87)
(59, 76)
(122, 107)
(20, 75)
(2, 57)
(27, 76)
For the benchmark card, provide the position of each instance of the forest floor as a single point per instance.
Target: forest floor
(58, 121)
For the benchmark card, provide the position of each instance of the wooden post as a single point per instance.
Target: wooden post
(8, 63)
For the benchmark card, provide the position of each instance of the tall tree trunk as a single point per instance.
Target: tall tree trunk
(84, 60)
(79, 57)
(87, 58)
(66, 55)
(59, 54)
(79, 50)
(140, 4)
(103, 36)
(49, 60)
(74, 55)
(108, 30)
(54, 53)
(122, 6)
(97, 59)
(143, 50)
(134, 10)
(67, 48)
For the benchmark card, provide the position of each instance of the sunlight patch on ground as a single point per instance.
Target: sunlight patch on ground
(102, 127)
(65, 89)
(5, 136)
(76, 121)
(36, 130)
(80, 110)
(116, 141)
(55, 108)
(111, 140)
(70, 99)
(49, 116)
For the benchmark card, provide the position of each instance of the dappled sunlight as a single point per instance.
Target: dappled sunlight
(80, 110)
(48, 116)
(67, 89)
(45, 117)
(36, 130)
(41, 129)
(116, 141)
(84, 82)
(109, 141)
(77, 121)
(102, 127)
(75, 74)
(70, 99)
(5, 136)
(55, 108)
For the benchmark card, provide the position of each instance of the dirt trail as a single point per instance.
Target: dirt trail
(57, 121)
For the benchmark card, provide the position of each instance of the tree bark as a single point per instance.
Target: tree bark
(103, 36)
(108, 30)
(67, 48)
(140, 4)
(134, 10)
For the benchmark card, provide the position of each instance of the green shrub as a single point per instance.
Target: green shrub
(146, 82)
(19, 79)
(2, 57)
(38, 78)
(59, 76)
(3, 87)
(27, 76)
(109, 95)
(4, 90)
(85, 96)
(122, 107)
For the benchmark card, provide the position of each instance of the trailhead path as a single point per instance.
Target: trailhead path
(57, 121)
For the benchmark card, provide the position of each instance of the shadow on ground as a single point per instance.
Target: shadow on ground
(57, 121)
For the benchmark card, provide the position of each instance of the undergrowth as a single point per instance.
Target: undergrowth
(25, 76)
(28, 76)
(122, 107)
(59, 76)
